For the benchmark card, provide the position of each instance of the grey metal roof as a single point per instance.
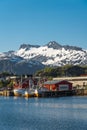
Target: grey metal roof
(55, 81)
(51, 82)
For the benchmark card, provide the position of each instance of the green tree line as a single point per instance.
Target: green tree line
(67, 70)
(5, 83)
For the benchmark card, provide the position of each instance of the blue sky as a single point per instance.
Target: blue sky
(40, 21)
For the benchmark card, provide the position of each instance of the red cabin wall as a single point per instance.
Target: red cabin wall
(55, 87)
(50, 86)
(66, 83)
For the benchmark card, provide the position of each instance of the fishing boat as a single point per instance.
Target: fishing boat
(18, 91)
(28, 88)
(20, 87)
(29, 93)
(39, 92)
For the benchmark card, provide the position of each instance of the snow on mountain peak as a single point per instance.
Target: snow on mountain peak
(54, 54)
(50, 54)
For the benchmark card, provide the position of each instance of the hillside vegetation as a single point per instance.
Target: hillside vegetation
(67, 70)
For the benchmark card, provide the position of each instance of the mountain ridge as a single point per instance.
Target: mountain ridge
(30, 58)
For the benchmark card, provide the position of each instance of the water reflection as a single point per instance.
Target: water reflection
(65, 113)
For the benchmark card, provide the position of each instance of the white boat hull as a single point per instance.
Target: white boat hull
(19, 92)
(31, 93)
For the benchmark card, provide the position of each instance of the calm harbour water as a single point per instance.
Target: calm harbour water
(63, 113)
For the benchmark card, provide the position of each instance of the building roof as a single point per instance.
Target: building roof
(71, 78)
(54, 81)
(51, 82)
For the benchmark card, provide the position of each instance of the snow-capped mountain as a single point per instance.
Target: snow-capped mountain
(54, 54)
(35, 57)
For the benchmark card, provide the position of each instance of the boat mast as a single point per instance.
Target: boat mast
(21, 81)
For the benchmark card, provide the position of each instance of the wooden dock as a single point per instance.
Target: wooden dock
(78, 92)
(6, 93)
(56, 93)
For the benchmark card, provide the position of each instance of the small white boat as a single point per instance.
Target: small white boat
(39, 92)
(21, 87)
(29, 93)
(18, 91)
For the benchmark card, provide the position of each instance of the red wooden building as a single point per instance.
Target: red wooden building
(25, 83)
(58, 85)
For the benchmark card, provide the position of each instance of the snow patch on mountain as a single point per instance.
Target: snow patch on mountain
(54, 54)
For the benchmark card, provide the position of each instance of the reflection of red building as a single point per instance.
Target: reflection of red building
(58, 85)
